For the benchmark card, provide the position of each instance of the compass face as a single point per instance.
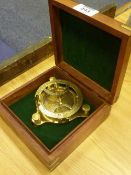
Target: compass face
(59, 98)
(58, 101)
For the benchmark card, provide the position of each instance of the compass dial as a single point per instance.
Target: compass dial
(57, 101)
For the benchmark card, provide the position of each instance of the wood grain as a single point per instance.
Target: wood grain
(107, 151)
(24, 60)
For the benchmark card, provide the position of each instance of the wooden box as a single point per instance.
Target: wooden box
(90, 51)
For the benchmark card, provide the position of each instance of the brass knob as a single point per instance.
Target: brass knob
(36, 118)
(86, 108)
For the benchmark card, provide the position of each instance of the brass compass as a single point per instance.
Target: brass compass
(58, 101)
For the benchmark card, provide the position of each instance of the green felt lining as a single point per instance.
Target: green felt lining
(89, 49)
(49, 134)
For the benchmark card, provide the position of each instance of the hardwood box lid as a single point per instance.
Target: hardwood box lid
(92, 49)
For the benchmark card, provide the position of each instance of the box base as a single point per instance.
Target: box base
(52, 158)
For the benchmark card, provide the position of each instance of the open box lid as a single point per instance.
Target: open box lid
(92, 49)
